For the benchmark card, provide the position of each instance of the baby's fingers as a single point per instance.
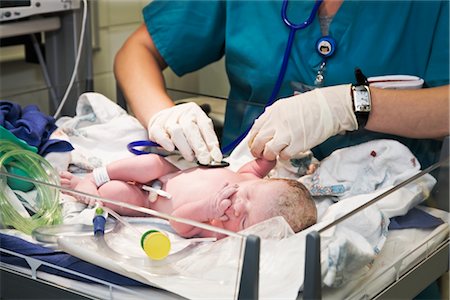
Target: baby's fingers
(224, 218)
(228, 190)
(224, 205)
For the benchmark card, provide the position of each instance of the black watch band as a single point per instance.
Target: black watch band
(361, 98)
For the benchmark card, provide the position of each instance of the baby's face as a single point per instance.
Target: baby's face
(252, 203)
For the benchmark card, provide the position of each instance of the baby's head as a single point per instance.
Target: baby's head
(258, 200)
(295, 204)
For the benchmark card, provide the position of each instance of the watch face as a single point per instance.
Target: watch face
(361, 98)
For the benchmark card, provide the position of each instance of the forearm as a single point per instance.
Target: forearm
(259, 167)
(420, 113)
(195, 211)
(141, 168)
(138, 70)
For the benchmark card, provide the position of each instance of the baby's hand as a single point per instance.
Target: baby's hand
(220, 202)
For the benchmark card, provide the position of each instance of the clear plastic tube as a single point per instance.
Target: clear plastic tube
(47, 198)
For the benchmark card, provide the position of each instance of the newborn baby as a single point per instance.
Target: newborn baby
(215, 196)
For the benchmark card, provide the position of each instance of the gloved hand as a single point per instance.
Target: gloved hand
(301, 122)
(187, 128)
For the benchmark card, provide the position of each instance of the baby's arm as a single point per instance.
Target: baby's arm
(259, 167)
(141, 168)
(203, 211)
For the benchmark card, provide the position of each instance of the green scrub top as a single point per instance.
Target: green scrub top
(380, 37)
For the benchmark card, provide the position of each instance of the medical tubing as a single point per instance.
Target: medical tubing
(306, 23)
(107, 250)
(50, 233)
(99, 224)
(40, 57)
(38, 170)
(30, 163)
(77, 61)
(129, 206)
(133, 207)
(121, 220)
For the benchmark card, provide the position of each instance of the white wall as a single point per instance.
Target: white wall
(117, 19)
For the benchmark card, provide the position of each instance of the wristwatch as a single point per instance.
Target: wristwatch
(362, 103)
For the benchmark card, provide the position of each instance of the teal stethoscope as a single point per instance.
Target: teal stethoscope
(325, 47)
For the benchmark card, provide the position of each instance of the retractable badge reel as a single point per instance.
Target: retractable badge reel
(325, 46)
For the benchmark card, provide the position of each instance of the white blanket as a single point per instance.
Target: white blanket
(100, 132)
(347, 179)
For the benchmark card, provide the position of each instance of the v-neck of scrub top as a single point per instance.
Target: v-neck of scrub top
(337, 29)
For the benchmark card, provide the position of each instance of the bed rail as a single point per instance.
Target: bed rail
(249, 283)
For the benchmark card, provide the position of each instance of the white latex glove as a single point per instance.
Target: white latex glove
(187, 128)
(299, 123)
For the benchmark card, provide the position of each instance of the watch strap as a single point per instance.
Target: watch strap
(361, 79)
(361, 116)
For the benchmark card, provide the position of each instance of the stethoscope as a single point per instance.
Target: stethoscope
(155, 148)
(325, 47)
(293, 28)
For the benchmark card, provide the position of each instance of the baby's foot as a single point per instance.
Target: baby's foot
(68, 180)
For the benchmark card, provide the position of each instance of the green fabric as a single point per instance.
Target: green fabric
(380, 37)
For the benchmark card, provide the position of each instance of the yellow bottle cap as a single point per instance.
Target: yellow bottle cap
(155, 244)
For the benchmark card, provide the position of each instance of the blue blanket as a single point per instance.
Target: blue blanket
(32, 126)
(61, 259)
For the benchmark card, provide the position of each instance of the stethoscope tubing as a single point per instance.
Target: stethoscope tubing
(133, 145)
(287, 52)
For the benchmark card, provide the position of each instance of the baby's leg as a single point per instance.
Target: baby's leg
(124, 192)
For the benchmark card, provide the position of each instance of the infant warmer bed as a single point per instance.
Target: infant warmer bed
(265, 261)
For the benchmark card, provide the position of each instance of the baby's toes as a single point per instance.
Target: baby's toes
(65, 175)
(64, 182)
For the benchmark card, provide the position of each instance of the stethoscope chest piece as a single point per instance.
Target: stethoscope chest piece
(214, 164)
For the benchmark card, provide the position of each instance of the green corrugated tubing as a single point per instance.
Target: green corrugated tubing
(47, 198)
